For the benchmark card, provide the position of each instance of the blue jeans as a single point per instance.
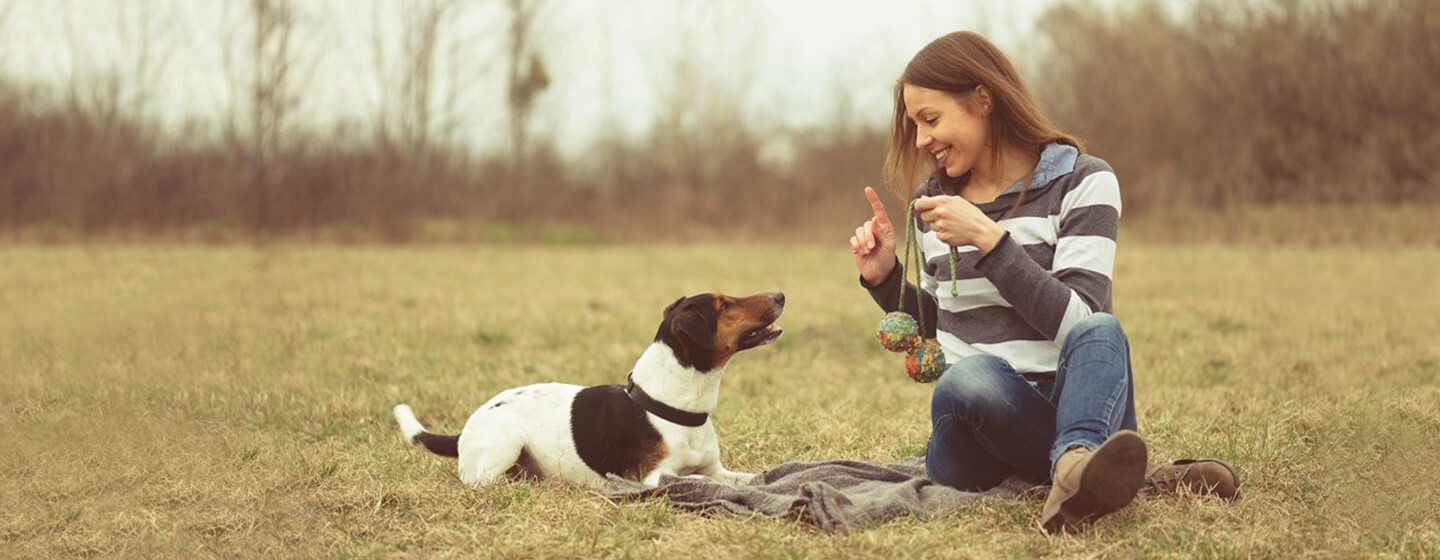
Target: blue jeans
(988, 422)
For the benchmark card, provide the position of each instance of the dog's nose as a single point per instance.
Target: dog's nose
(779, 298)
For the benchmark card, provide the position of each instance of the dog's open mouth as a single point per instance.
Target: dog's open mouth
(760, 336)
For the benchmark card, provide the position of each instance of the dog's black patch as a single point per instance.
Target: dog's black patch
(525, 468)
(612, 433)
(689, 330)
(444, 446)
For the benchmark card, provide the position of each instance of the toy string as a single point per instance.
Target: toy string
(912, 244)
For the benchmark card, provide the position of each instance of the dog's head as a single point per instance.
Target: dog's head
(705, 331)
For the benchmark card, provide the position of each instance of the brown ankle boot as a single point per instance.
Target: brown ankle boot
(1197, 476)
(1091, 484)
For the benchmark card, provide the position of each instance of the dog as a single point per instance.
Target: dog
(656, 425)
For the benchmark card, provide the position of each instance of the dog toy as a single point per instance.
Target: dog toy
(925, 362)
(900, 332)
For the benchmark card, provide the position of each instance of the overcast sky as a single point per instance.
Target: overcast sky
(790, 64)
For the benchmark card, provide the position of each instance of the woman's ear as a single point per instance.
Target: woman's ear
(982, 99)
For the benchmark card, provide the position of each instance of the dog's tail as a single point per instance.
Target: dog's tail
(415, 434)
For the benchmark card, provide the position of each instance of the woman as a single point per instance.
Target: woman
(1038, 379)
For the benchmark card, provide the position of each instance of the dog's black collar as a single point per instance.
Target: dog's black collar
(670, 413)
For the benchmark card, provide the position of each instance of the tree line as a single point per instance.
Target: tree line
(1218, 106)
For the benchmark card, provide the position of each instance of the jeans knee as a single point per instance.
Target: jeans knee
(1101, 325)
(970, 387)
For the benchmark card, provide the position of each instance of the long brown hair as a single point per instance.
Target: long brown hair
(957, 64)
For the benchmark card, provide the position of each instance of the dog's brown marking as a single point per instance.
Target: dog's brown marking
(737, 316)
(650, 458)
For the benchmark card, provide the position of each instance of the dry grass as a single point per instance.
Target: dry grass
(163, 401)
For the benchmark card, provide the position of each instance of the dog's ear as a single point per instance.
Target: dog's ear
(693, 335)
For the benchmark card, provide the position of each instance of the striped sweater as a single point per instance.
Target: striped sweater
(1050, 270)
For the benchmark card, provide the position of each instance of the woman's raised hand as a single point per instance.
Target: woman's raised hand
(873, 244)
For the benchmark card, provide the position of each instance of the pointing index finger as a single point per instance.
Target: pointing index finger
(878, 207)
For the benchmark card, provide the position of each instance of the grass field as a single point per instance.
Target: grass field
(163, 401)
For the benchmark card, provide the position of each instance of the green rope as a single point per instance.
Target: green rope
(954, 256)
(919, 277)
(910, 243)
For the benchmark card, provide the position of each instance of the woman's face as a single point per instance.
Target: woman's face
(945, 128)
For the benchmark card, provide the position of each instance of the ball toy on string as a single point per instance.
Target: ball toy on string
(899, 332)
(925, 362)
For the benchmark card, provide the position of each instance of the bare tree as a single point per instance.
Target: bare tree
(6, 8)
(138, 27)
(387, 113)
(463, 71)
(271, 93)
(701, 133)
(124, 88)
(267, 89)
(408, 86)
(81, 93)
(422, 33)
(527, 77)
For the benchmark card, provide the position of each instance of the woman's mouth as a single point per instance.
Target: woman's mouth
(941, 155)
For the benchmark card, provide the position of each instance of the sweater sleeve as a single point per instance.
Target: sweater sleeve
(887, 295)
(1078, 284)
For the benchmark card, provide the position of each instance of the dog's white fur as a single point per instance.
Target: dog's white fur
(536, 418)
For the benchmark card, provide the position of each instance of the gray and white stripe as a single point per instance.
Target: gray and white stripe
(1020, 301)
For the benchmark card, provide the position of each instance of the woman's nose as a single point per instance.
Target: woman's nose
(922, 141)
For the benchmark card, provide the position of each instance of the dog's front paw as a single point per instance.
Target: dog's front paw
(734, 478)
(722, 479)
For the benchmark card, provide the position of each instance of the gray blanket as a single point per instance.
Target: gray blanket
(832, 495)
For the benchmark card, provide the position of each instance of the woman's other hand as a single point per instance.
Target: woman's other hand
(873, 244)
(958, 222)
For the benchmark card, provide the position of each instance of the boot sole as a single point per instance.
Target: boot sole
(1110, 481)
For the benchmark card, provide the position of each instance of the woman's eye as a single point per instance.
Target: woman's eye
(931, 121)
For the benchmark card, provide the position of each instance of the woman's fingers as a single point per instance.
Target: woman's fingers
(868, 237)
(927, 202)
(876, 231)
(931, 208)
(877, 207)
